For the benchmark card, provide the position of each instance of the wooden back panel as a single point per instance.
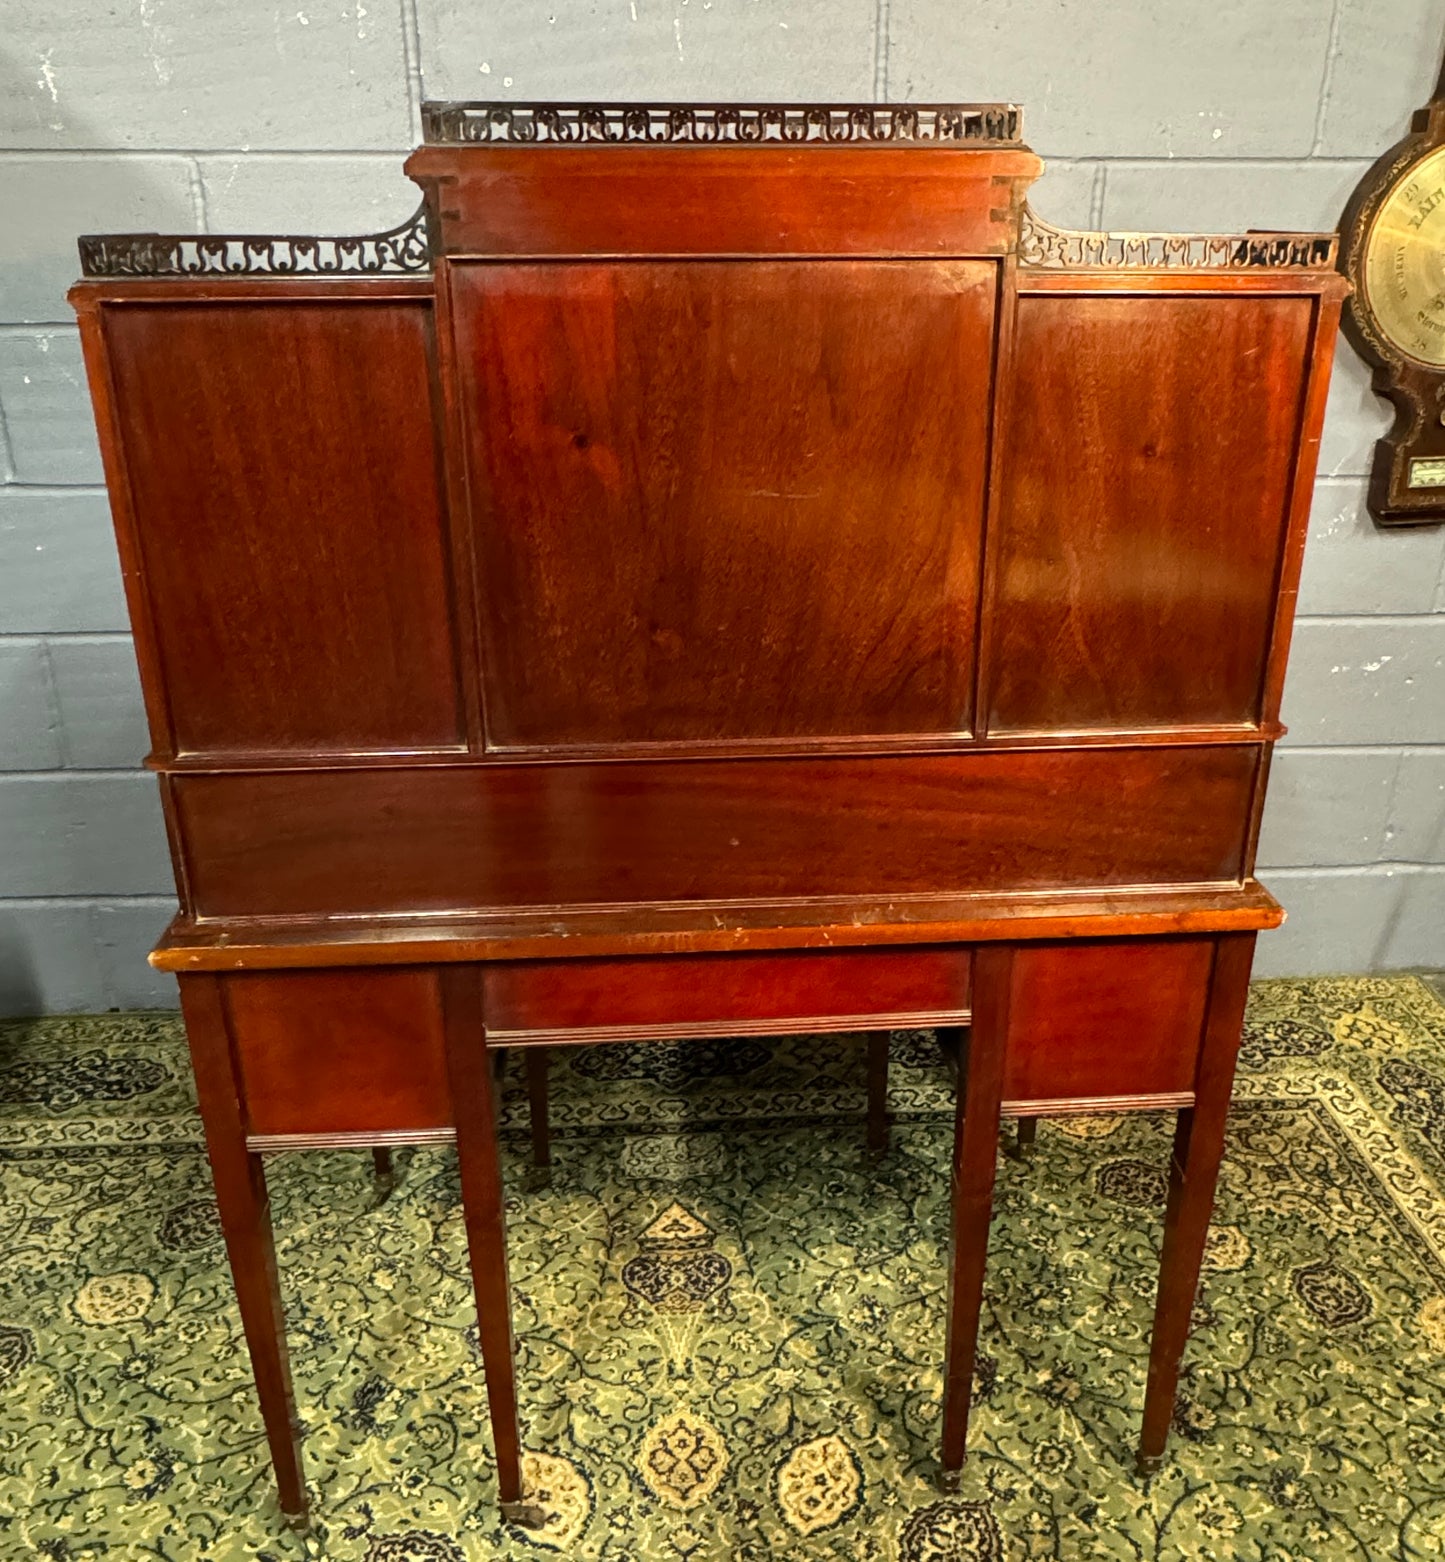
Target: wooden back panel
(723, 200)
(1144, 507)
(730, 525)
(280, 512)
(713, 500)
(784, 831)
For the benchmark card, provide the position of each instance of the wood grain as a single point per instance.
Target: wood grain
(283, 480)
(331, 1051)
(1152, 449)
(1094, 1020)
(373, 842)
(717, 501)
(697, 993)
(740, 200)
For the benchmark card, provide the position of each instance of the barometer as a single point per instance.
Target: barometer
(1392, 248)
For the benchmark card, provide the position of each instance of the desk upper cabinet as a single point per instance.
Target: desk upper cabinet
(954, 554)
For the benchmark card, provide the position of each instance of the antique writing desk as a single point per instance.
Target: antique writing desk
(716, 570)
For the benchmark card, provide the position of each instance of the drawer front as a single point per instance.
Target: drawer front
(698, 995)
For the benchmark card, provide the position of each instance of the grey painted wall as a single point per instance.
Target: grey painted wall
(178, 114)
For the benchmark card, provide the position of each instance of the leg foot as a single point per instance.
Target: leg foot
(538, 1061)
(878, 1119)
(527, 1514)
(951, 1039)
(385, 1174)
(1023, 1146)
(300, 1523)
(949, 1481)
(1149, 1466)
(1193, 1172)
(469, 1072)
(245, 1210)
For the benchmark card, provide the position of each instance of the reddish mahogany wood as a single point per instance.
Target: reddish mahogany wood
(372, 842)
(703, 994)
(736, 200)
(630, 931)
(740, 497)
(469, 1073)
(1200, 986)
(1321, 358)
(1152, 448)
(538, 1063)
(244, 1207)
(975, 1156)
(1088, 1023)
(879, 1117)
(331, 1051)
(659, 453)
(289, 446)
(1193, 1173)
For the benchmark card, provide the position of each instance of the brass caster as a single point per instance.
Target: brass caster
(1149, 1464)
(949, 1481)
(299, 1522)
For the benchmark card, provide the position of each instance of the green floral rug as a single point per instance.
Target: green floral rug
(730, 1323)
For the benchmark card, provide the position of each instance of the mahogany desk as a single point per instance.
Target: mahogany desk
(715, 570)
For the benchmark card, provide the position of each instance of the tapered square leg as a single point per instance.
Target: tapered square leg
(975, 1151)
(245, 1211)
(878, 1120)
(1025, 1132)
(538, 1067)
(1193, 1174)
(474, 1110)
(384, 1172)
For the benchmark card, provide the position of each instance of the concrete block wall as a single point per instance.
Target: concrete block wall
(177, 115)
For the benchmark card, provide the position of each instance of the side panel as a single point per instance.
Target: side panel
(440, 838)
(282, 471)
(336, 1051)
(714, 500)
(1146, 486)
(1106, 1021)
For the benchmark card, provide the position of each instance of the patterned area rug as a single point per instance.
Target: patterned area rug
(730, 1323)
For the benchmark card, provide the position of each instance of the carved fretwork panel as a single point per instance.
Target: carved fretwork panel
(744, 124)
(397, 252)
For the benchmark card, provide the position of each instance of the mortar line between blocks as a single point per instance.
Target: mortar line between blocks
(880, 52)
(411, 52)
(1327, 81)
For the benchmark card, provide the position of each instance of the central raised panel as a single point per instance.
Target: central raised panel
(717, 501)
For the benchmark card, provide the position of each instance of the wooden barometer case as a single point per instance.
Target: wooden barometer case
(1392, 249)
(717, 570)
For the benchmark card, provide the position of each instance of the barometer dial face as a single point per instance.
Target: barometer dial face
(1404, 270)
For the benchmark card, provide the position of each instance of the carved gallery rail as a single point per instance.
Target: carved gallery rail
(717, 569)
